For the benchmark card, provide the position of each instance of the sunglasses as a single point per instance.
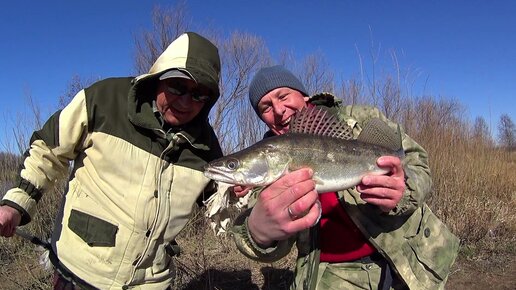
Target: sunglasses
(180, 90)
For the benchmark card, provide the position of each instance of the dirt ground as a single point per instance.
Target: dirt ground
(499, 274)
(481, 275)
(466, 275)
(213, 263)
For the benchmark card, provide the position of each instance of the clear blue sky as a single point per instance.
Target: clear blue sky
(461, 49)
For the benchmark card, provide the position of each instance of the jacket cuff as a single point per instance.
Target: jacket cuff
(20, 200)
(247, 246)
(254, 245)
(25, 218)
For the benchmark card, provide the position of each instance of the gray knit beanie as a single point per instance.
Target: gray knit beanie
(270, 78)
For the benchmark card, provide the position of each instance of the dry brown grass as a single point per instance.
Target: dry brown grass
(474, 182)
(18, 258)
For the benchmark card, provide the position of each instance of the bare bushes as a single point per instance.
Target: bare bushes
(474, 182)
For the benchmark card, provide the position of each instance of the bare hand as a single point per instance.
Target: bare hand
(385, 191)
(9, 219)
(271, 220)
(240, 190)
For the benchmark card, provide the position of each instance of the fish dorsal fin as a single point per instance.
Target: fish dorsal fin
(379, 133)
(319, 121)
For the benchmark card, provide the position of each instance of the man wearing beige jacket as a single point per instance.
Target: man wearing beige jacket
(138, 146)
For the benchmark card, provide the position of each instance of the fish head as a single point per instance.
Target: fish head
(250, 168)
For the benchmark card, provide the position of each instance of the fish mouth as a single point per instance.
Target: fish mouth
(218, 175)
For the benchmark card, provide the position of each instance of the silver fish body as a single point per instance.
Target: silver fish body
(337, 164)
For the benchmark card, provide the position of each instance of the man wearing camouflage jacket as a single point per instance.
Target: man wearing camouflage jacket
(377, 235)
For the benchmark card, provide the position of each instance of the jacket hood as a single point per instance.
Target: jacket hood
(194, 54)
(190, 53)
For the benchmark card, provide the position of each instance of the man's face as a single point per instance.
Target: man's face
(179, 100)
(278, 106)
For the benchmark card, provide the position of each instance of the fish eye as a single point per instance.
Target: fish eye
(232, 164)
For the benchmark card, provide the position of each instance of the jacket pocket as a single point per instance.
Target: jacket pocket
(94, 231)
(435, 246)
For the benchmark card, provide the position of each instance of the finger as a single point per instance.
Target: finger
(302, 193)
(293, 178)
(301, 206)
(318, 203)
(309, 220)
(11, 232)
(391, 163)
(6, 231)
(381, 192)
(286, 195)
(384, 204)
(375, 195)
(3, 230)
(244, 192)
(241, 191)
(382, 181)
(386, 198)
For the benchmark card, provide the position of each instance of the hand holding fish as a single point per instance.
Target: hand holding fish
(240, 190)
(385, 191)
(284, 208)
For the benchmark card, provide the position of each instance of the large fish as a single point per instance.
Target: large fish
(318, 140)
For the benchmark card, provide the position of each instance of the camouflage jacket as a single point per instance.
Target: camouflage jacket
(417, 245)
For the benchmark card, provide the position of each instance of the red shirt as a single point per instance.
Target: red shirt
(340, 239)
